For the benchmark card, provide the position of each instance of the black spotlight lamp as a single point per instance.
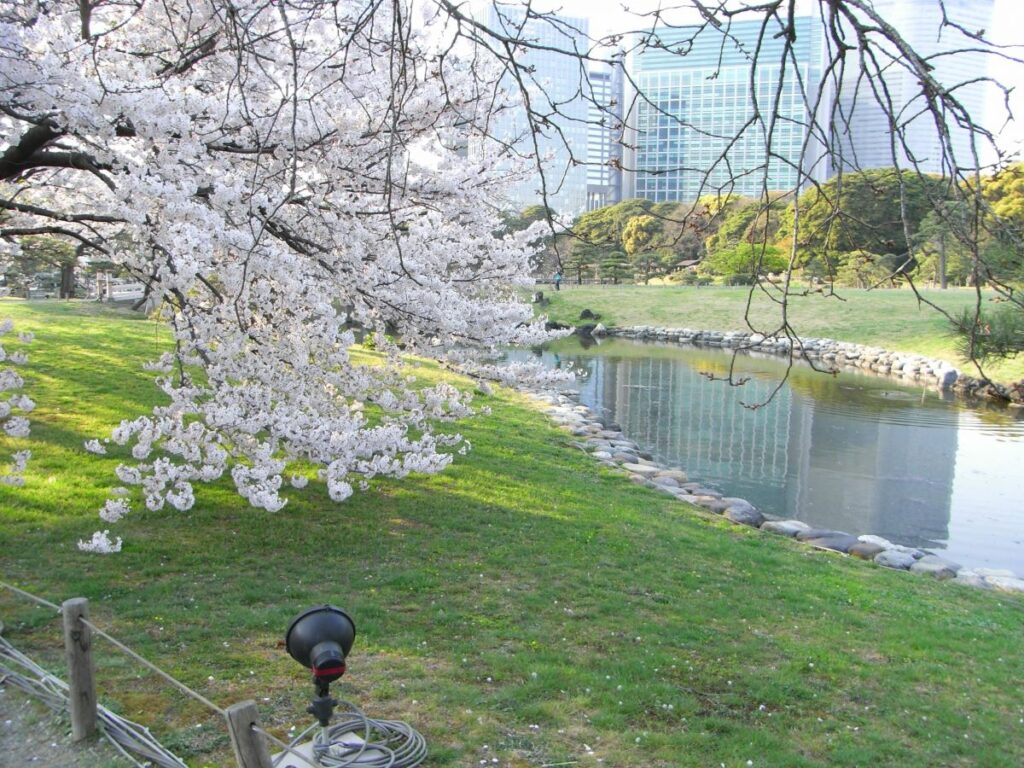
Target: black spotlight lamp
(320, 639)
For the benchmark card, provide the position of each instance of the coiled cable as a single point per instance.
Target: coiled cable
(378, 743)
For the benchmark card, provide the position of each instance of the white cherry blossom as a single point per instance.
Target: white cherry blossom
(100, 543)
(285, 178)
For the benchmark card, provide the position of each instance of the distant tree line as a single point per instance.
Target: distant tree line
(863, 229)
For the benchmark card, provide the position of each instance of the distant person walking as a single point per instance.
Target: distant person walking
(558, 280)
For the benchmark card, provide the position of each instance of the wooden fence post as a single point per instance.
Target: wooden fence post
(250, 747)
(78, 652)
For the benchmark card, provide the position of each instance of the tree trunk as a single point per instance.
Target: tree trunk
(943, 284)
(67, 281)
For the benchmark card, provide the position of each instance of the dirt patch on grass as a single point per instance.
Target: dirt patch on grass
(32, 735)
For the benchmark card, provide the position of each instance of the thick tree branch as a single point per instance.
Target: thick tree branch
(18, 157)
(46, 213)
(13, 233)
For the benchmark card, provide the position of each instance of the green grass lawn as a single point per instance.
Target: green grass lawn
(889, 318)
(525, 606)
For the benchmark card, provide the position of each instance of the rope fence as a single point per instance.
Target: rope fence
(29, 596)
(154, 668)
(384, 744)
(78, 695)
(128, 738)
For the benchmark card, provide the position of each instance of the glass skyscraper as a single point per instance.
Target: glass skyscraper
(604, 134)
(555, 83)
(697, 96)
(864, 132)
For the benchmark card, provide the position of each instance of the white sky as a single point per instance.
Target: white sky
(1007, 29)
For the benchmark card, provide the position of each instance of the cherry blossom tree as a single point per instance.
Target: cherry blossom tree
(288, 176)
(285, 178)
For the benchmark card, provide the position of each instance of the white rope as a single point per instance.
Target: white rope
(153, 667)
(30, 596)
(122, 647)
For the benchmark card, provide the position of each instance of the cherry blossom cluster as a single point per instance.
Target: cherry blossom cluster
(101, 544)
(287, 179)
(14, 403)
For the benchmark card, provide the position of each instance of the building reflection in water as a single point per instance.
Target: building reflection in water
(817, 451)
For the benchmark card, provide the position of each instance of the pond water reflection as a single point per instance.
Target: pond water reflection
(855, 452)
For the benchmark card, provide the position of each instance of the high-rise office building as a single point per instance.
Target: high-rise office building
(604, 137)
(553, 75)
(697, 92)
(863, 130)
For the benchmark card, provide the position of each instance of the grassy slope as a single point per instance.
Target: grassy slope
(519, 606)
(891, 319)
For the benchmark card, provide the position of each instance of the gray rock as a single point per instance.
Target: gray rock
(939, 568)
(1005, 583)
(745, 515)
(785, 527)
(603, 455)
(639, 469)
(818, 533)
(676, 474)
(626, 458)
(866, 550)
(698, 490)
(735, 501)
(892, 558)
(886, 544)
(971, 579)
(668, 482)
(711, 503)
(840, 543)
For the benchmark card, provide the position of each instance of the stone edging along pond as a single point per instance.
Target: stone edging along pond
(606, 443)
(827, 353)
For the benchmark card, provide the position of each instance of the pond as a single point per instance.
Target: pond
(854, 452)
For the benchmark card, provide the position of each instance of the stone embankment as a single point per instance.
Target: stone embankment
(829, 354)
(825, 353)
(607, 444)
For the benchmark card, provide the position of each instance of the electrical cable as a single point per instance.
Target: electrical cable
(383, 744)
(379, 743)
(126, 736)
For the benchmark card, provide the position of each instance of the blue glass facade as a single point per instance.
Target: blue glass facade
(698, 94)
(553, 78)
(864, 133)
